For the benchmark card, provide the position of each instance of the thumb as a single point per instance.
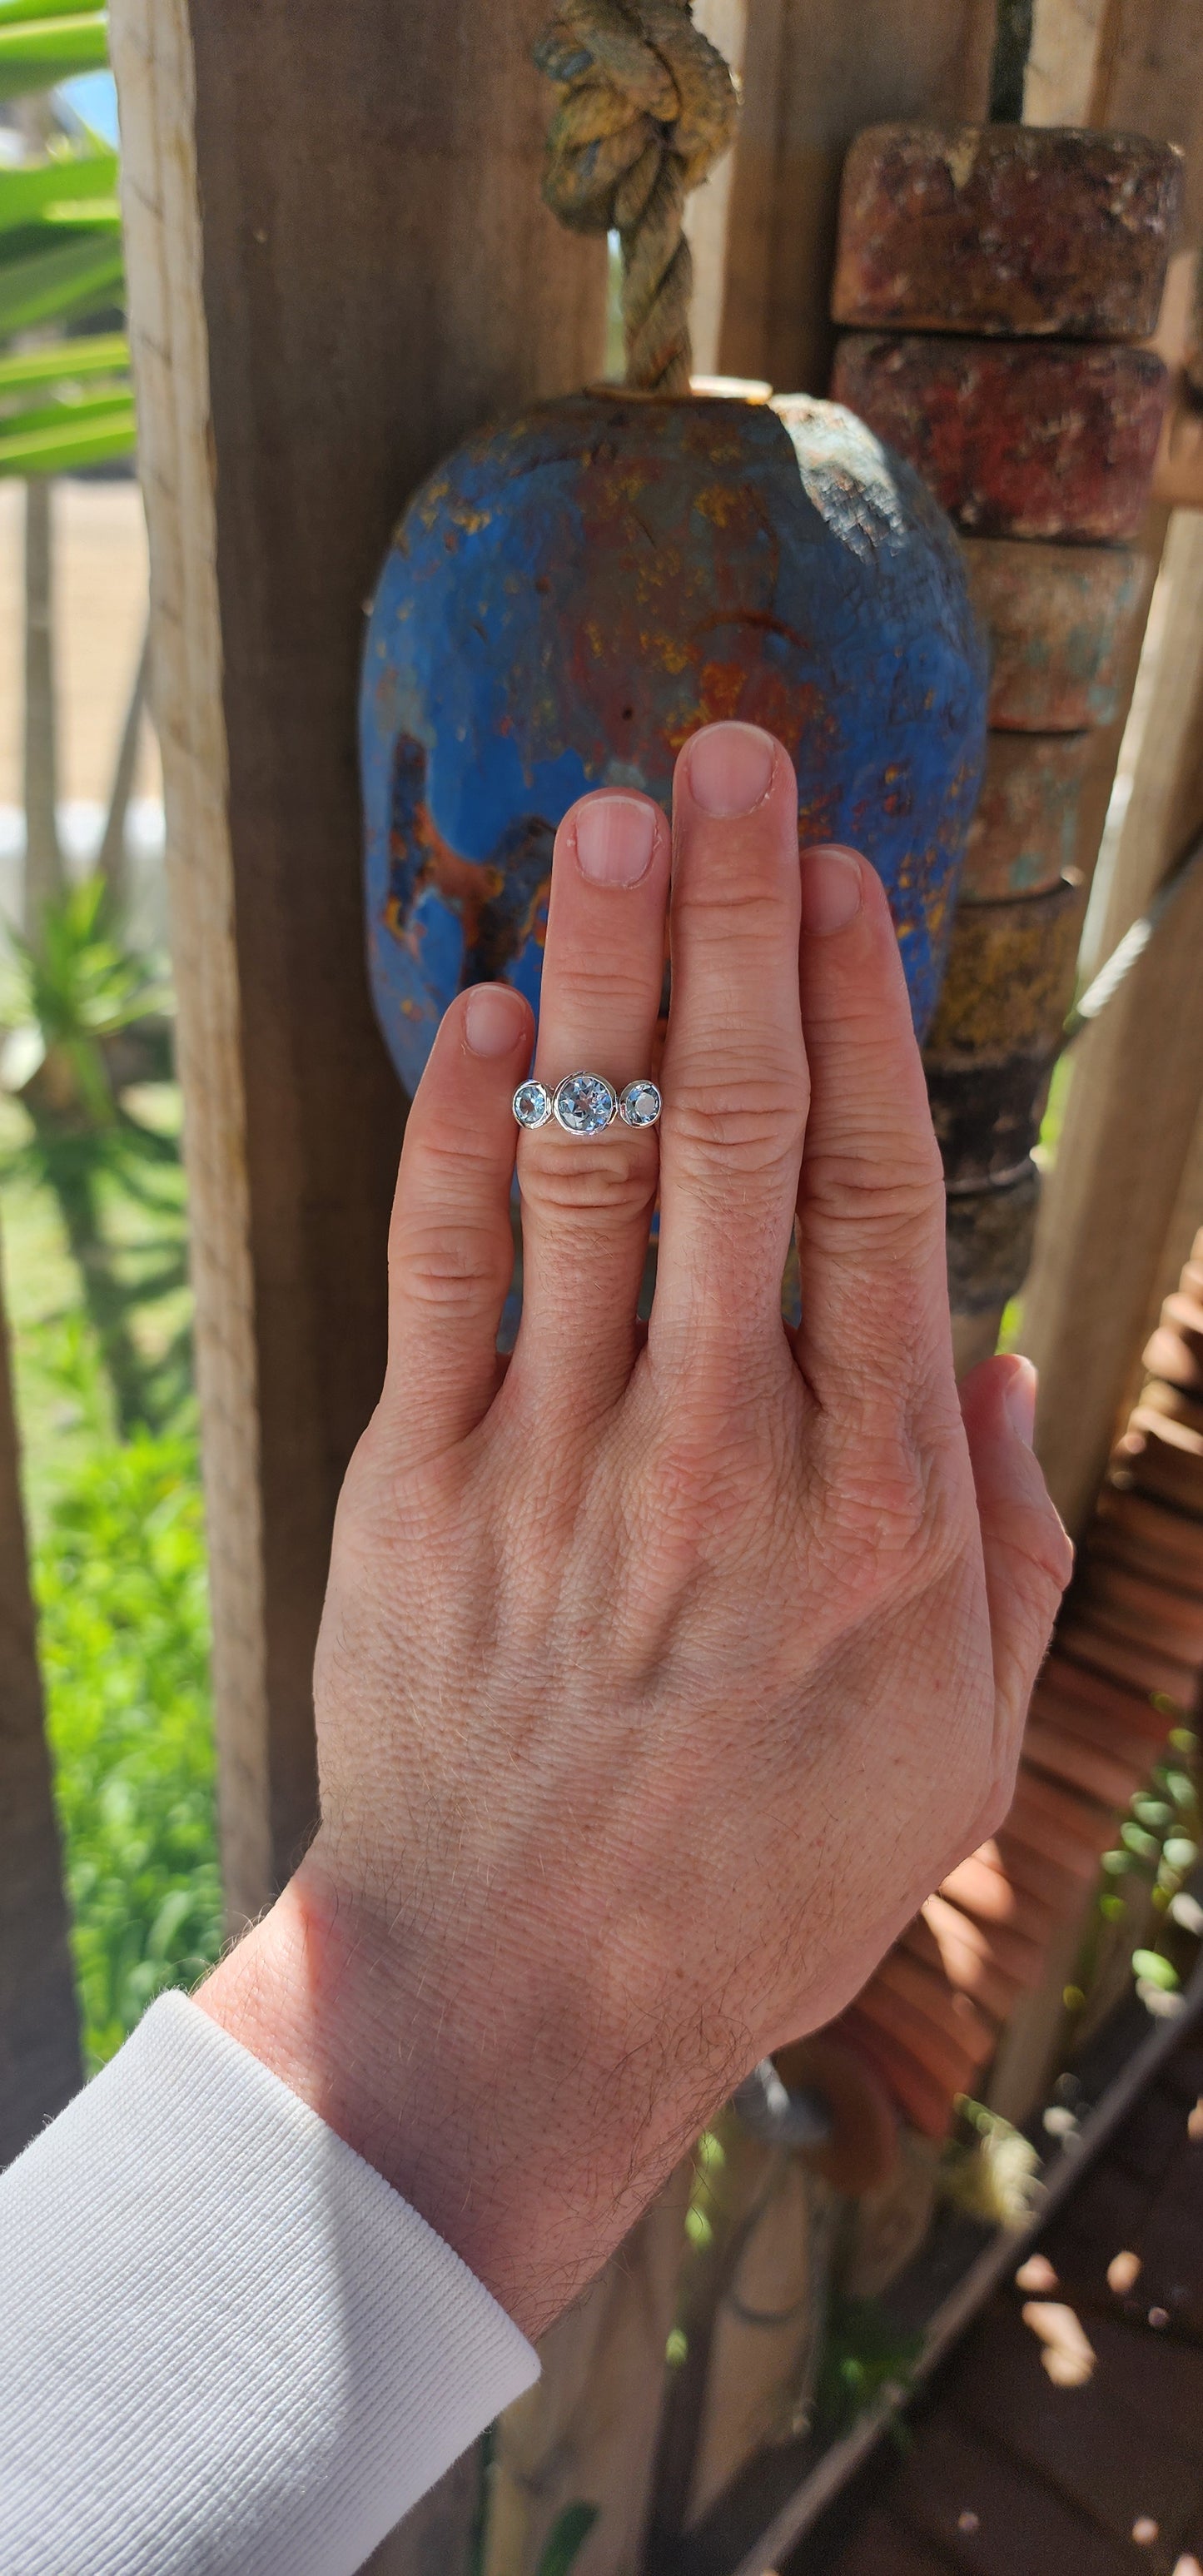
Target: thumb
(1028, 1558)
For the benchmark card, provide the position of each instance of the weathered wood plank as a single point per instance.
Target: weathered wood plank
(815, 72)
(303, 355)
(153, 62)
(39, 2030)
(1137, 1088)
(587, 2433)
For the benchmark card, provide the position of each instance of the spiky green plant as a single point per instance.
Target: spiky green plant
(77, 993)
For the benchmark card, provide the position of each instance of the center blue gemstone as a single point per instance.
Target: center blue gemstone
(585, 1104)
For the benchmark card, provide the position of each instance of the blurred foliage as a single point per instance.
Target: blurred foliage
(567, 2539)
(1158, 1843)
(864, 2352)
(120, 1581)
(66, 400)
(85, 1012)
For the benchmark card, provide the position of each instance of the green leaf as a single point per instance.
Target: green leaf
(569, 2535)
(1152, 1812)
(56, 413)
(26, 194)
(61, 283)
(38, 53)
(97, 212)
(1153, 1970)
(102, 353)
(175, 1909)
(89, 441)
(27, 13)
(1137, 1840)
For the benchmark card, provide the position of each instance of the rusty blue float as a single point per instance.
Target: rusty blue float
(570, 596)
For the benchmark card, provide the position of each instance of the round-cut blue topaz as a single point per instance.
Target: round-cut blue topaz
(640, 1104)
(532, 1104)
(585, 1103)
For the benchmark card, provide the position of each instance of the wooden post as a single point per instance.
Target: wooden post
(707, 211)
(39, 2029)
(1137, 1088)
(815, 71)
(373, 275)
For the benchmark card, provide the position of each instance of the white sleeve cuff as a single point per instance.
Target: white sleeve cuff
(228, 2347)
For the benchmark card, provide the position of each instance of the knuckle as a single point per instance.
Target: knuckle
(879, 1512)
(595, 989)
(755, 1121)
(451, 1272)
(744, 903)
(608, 1179)
(894, 1194)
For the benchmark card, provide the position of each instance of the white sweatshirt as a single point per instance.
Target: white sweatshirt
(227, 2347)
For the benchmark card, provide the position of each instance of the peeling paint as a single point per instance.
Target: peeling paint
(623, 572)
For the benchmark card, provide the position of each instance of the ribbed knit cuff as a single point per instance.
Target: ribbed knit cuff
(228, 2347)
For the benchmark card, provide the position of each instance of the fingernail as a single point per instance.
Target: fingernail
(832, 889)
(731, 768)
(1019, 1400)
(493, 1021)
(615, 837)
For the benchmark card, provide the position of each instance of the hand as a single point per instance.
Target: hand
(660, 1679)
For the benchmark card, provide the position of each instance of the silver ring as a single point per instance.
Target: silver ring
(585, 1104)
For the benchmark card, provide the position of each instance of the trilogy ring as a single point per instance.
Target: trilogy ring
(585, 1103)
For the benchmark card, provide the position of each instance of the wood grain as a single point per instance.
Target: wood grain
(153, 63)
(303, 355)
(1137, 1088)
(39, 2031)
(815, 72)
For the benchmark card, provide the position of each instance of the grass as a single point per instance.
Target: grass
(120, 1581)
(119, 1572)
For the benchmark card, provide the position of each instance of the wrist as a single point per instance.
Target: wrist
(474, 2084)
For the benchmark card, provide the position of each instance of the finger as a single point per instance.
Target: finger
(871, 1199)
(587, 1200)
(735, 1086)
(1028, 1558)
(451, 1247)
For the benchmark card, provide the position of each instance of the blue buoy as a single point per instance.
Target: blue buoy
(570, 596)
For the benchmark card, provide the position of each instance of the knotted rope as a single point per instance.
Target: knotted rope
(648, 107)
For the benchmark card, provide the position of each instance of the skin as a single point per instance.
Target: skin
(662, 1675)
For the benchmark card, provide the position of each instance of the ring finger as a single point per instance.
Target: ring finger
(587, 1200)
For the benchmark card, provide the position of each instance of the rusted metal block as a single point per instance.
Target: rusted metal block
(1056, 620)
(1024, 836)
(1025, 438)
(997, 1030)
(1010, 974)
(987, 1116)
(989, 1242)
(1017, 229)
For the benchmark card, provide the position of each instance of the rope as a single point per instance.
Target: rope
(647, 108)
(1132, 946)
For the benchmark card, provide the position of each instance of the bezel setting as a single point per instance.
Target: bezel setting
(532, 1104)
(640, 1104)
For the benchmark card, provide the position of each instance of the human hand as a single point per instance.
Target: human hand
(659, 1681)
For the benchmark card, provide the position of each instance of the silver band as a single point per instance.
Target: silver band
(585, 1104)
